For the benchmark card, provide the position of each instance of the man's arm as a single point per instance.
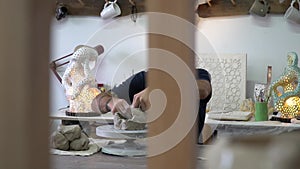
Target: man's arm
(100, 103)
(204, 84)
(123, 94)
(204, 88)
(105, 102)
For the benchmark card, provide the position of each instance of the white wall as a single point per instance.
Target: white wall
(124, 45)
(265, 40)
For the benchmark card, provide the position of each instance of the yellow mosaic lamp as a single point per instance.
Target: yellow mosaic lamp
(285, 91)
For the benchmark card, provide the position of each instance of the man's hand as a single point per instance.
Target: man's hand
(118, 105)
(141, 100)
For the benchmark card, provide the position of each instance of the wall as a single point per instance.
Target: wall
(124, 45)
(266, 41)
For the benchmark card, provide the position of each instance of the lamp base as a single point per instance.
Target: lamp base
(277, 117)
(281, 119)
(81, 114)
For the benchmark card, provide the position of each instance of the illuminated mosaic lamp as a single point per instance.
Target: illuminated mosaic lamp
(79, 79)
(285, 91)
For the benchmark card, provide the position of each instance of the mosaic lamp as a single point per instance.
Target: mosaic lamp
(79, 80)
(285, 91)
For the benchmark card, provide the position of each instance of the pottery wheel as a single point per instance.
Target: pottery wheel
(129, 148)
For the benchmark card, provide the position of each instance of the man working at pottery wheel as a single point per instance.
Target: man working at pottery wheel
(137, 95)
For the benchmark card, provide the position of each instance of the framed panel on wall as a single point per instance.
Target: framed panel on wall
(228, 79)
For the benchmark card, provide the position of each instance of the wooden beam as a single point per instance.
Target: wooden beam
(169, 148)
(24, 101)
(93, 7)
(241, 7)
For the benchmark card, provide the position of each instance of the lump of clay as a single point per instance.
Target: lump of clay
(137, 122)
(71, 132)
(59, 141)
(138, 116)
(81, 143)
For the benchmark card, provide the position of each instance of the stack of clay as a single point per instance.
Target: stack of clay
(136, 122)
(69, 137)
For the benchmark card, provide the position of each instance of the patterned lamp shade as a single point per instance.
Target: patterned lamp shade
(286, 89)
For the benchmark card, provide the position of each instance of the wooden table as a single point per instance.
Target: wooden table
(251, 127)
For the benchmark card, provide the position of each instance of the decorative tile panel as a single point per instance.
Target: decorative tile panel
(228, 79)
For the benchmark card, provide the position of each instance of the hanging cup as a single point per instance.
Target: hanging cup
(110, 10)
(293, 14)
(260, 8)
